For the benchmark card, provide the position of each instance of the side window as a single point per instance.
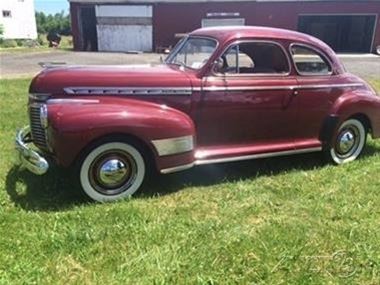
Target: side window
(255, 58)
(309, 62)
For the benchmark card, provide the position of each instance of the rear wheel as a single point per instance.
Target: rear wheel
(112, 171)
(349, 142)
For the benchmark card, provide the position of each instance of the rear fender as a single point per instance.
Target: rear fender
(360, 102)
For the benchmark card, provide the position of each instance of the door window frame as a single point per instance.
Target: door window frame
(244, 75)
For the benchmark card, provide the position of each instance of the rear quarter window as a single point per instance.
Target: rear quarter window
(309, 62)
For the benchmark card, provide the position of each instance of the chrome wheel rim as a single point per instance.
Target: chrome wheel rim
(112, 172)
(347, 142)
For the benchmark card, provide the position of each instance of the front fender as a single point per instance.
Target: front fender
(75, 126)
(359, 102)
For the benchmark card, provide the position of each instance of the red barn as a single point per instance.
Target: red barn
(150, 25)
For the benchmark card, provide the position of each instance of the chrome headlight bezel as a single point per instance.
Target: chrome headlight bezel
(44, 116)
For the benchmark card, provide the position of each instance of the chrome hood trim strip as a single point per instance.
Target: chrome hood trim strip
(72, 101)
(128, 90)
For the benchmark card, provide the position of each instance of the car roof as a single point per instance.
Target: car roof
(227, 33)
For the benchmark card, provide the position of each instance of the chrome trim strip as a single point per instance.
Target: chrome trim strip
(248, 88)
(72, 101)
(285, 87)
(256, 156)
(183, 90)
(82, 90)
(177, 168)
(238, 158)
(320, 86)
(174, 145)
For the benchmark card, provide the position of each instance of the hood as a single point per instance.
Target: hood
(55, 80)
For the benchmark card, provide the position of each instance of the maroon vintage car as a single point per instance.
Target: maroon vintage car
(223, 94)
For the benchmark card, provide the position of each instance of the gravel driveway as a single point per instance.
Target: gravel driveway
(26, 64)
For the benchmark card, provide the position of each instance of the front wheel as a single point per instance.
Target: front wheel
(349, 142)
(112, 171)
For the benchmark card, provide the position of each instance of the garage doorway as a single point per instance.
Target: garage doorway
(124, 28)
(87, 20)
(344, 33)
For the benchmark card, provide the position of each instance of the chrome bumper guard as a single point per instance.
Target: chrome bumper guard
(29, 158)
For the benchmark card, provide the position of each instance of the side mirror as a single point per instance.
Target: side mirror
(218, 66)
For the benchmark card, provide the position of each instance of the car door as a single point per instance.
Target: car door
(250, 100)
(316, 92)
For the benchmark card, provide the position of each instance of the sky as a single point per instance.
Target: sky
(51, 6)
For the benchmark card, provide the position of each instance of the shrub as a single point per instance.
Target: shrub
(20, 42)
(31, 43)
(9, 44)
(41, 40)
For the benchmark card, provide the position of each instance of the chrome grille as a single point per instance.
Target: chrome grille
(37, 131)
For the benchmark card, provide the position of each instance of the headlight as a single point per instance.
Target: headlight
(44, 116)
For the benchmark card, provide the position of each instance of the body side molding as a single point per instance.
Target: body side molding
(239, 158)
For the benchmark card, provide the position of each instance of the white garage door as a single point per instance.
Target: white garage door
(223, 22)
(124, 27)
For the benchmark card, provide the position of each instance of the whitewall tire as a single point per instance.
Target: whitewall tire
(349, 142)
(112, 171)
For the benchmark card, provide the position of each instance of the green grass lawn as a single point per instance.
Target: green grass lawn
(290, 220)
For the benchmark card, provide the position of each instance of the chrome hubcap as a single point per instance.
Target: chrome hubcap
(346, 141)
(113, 172)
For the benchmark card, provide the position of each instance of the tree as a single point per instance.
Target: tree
(58, 23)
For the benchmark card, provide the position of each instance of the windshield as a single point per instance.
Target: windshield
(192, 52)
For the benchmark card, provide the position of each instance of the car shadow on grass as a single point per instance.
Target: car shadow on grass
(54, 191)
(214, 174)
(57, 192)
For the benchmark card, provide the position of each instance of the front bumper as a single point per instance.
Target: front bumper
(29, 158)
